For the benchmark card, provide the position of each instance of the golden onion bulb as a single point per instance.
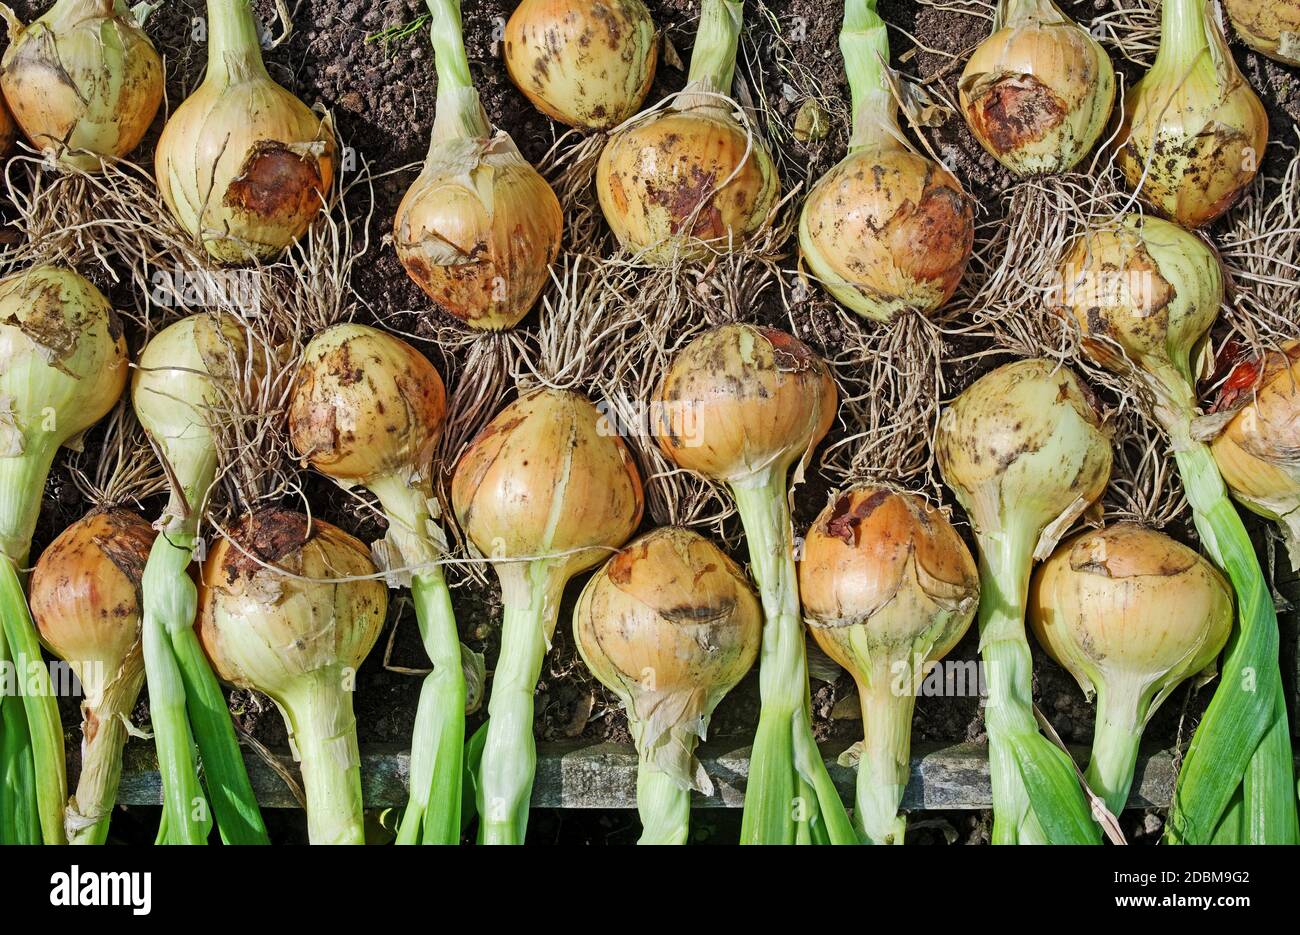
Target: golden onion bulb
(1258, 453)
(1038, 92)
(1271, 27)
(1130, 613)
(888, 587)
(1194, 132)
(366, 406)
(888, 230)
(670, 624)
(8, 129)
(84, 78)
(741, 400)
(1145, 287)
(586, 63)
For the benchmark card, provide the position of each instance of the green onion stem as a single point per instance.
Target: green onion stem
(1183, 34)
(663, 805)
(1036, 794)
(234, 42)
(884, 761)
(1115, 741)
(713, 60)
(324, 729)
(531, 595)
(19, 816)
(789, 792)
(864, 43)
(459, 114)
(103, 736)
(432, 815)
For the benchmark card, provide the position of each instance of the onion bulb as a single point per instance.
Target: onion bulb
(268, 622)
(888, 588)
(1258, 452)
(543, 493)
(585, 63)
(689, 180)
(479, 228)
(243, 165)
(887, 229)
(85, 598)
(1194, 131)
(740, 405)
(368, 409)
(1131, 614)
(1025, 452)
(670, 624)
(1037, 92)
(83, 78)
(1268, 26)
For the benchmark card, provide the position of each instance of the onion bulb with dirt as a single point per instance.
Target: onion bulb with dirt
(888, 589)
(543, 492)
(1025, 451)
(585, 63)
(83, 81)
(1038, 92)
(1271, 27)
(1131, 614)
(367, 410)
(741, 405)
(1194, 132)
(670, 624)
(243, 165)
(1258, 452)
(63, 366)
(1145, 293)
(688, 180)
(85, 598)
(289, 606)
(479, 228)
(887, 230)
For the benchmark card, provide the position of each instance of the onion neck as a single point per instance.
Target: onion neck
(713, 60)
(864, 42)
(234, 43)
(460, 114)
(663, 806)
(1013, 14)
(1183, 33)
(324, 728)
(1116, 736)
(103, 731)
(884, 762)
(22, 483)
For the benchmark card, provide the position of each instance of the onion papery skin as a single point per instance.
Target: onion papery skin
(1271, 27)
(740, 400)
(244, 166)
(300, 641)
(8, 129)
(478, 231)
(667, 189)
(585, 63)
(86, 77)
(888, 230)
(1038, 92)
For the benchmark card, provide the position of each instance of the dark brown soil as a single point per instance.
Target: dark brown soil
(382, 93)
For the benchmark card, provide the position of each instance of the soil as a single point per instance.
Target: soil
(381, 92)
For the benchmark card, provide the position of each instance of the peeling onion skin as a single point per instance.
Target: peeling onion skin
(888, 230)
(1038, 92)
(1270, 27)
(83, 75)
(586, 63)
(480, 242)
(741, 399)
(1193, 132)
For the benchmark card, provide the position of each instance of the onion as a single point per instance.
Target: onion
(1268, 26)
(1025, 452)
(1194, 132)
(84, 78)
(479, 228)
(368, 410)
(887, 229)
(1131, 614)
(740, 405)
(1258, 453)
(268, 624)
(85, 598)
(544, 494)
(689, 180)
(1037, 92)
(243, 165)
(586, 63)
(888, 588)
(670, 625)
